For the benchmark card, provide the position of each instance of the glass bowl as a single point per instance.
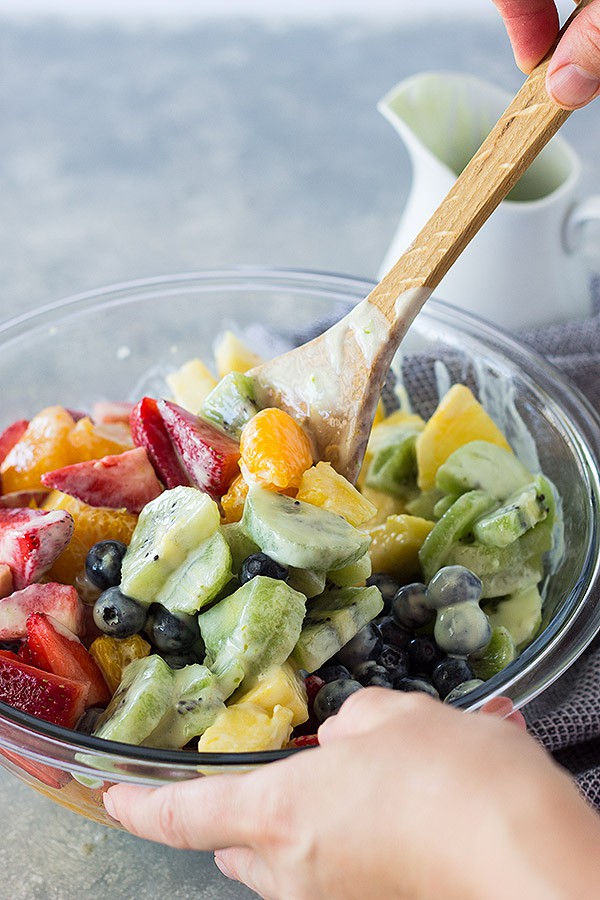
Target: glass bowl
(119, 342)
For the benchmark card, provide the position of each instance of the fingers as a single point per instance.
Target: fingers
(367, 709)
(574, 72)
(243, 864)
(502, 706)
(202, 814)
(532, 27)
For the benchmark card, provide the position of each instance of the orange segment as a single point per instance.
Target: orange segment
(92, 524)
(90, 441)
(233, 501)
(43, 446)
(275, 451)
(113, 655)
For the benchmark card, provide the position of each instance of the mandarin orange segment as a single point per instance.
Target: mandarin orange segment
(233, 501)
(92, 524)
(90, 441)
(275, 451)
(43, 446)
(113, 655)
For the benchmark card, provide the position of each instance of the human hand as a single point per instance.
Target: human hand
(573, 77)
(405, 797)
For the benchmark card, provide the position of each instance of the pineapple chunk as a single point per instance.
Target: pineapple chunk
(458, 419)
(246, 727)
(379, 413)
(395, 545)
(232, 355)
(322, 486)
(191, 385)
(385, 505)
(279, 686)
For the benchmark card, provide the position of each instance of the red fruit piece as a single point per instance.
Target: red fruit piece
(53, 648)
(31, 539)
(10, 436)
(61, 601)
(20, 499)
(123, 481)
(41, 694)
(313, 685)
(48, 775)
(6, 580)
(148, 431)
(107, 412)
(304, 740)
(209, 456)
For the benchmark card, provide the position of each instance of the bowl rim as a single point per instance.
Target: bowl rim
(581, 420)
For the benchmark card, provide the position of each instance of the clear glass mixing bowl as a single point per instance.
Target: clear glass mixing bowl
(118, 343)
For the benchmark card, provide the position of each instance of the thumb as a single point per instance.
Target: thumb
(573, 77)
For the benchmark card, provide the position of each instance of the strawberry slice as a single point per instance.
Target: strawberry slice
(209, 456)
(61, 601)
(125, 480)
(41, 694)
(304, 740)
(48, 775)
(19, 499)
(10, 436)
(148, 431)
(53, 648)
(107, 412)
(31, 539)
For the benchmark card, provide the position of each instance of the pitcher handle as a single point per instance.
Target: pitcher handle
(581, 214)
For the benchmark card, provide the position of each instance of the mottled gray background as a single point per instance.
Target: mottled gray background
(135, 150)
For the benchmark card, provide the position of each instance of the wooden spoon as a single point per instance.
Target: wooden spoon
(331, 385)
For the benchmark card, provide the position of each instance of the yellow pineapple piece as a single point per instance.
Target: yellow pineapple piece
(396, 543)
(43, 446)
(385, 506)
(191, 384)
(458, 419)
(232, 355)
(279, 686)
(246, 727)
(322, 486)
(379, 413)
(91, 441)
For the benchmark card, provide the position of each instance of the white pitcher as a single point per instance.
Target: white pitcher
(525, 267)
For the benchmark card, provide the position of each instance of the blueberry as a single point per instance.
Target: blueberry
(453, 585)
(118, 615)
(423, 654)
(333, 673)
(170, 633)
(366, 644)
(462, 629)
(449, 673)
(395, 660)
(369, 673)
(180, 660)
(410, 607)
(415, 684)
(387, 585)
(329, 700)
(261, 564)
(103, 563)
(392, 633)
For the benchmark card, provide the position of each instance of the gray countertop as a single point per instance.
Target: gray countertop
(128, 151)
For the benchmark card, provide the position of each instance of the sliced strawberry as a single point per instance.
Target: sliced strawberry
(48, 775)
(61, 601)
(313, 685)
(107, 412)
(20, 499)
(10, 436)
(125, 480)
(54, 648)
(50, 697)
(209, 456)
(304, 740)
(31, 539)
(148, 431)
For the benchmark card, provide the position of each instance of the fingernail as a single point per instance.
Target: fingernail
(109, 806)
(572, 86)
(223, 868)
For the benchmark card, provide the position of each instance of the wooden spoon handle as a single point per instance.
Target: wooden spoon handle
(521, 133)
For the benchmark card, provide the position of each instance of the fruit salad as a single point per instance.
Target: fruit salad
(180, 572)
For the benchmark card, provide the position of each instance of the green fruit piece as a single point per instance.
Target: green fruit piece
(519, 613)
(354, 574)
(454, 524)
(393, 468)
(196, 702)
(199, 579)
(443, 505)
(252, 629)
(295, 533)
(139, 703)
(496, 656)
(482, 466)
(310, 582)
(231, 404)
(332, 620)
(489, 560)
(509, 581)
(423, 505)
(167, 530)
(240, 544)
(520, 512)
